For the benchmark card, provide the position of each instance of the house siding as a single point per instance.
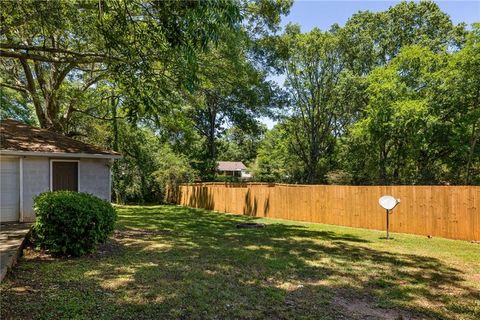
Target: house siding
(36, 179)
(9, 189)
(94, 179)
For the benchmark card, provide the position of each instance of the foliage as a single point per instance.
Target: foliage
(313, 69)
(46, 44)
(390, 97)
(417, 127)
(275, 162)
(371, 39)
(133, 179)
(149, 166)
(172, 170)
(241, 145)
(460, 98)
(397, 126)
(13, 105)
(232, 92)
(72, 223)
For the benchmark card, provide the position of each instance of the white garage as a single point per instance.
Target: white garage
(9, 189)
(34, 160)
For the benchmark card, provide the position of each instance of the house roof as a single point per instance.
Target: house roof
(230, 166)
(19, 138)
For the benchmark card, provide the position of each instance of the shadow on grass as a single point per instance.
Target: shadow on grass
(173, 262)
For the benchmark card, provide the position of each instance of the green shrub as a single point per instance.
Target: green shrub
(72, 223)
(222, 178)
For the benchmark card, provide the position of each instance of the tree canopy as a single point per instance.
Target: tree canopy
(391, 97)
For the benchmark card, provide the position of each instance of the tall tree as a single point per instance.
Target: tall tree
(343, 83)
(371, 39)
(313, 71)
(396, 135)
(421, 122)
(232, 88)
(44, 44)
(231, 92)
(458, 101)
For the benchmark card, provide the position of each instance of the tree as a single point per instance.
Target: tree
(373, 39)
(172, 170)
(133, 179)
(275, 162)
(313, 70)
(241, 145)
(420, 124)
(459, 100)
(45, 44)
(232, 92)
(339, 89)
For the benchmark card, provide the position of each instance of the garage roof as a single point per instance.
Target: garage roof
(19, 138)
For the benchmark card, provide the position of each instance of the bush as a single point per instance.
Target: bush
(222, 178)
(72, 223)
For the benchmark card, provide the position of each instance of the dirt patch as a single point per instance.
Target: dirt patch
(139, 233)
(363, 308)
(38, 255)
(110, 248)
(107, 249)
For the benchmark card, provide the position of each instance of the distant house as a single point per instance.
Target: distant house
(233, 169)
(34, 160)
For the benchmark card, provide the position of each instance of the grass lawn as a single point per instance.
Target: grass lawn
(179, 263)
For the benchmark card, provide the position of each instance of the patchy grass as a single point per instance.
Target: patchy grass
(180, 263)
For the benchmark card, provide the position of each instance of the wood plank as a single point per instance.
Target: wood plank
(443, 211)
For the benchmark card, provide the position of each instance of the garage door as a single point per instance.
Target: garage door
(9, 189)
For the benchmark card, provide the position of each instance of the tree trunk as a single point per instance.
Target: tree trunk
(382, 170)
(114, 122)
(211, 131)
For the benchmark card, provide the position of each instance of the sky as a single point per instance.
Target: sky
(322, 14)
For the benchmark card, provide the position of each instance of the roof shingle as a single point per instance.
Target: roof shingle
(230, 166)
(17, 136)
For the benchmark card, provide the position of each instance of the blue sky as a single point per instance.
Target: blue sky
(322, 14)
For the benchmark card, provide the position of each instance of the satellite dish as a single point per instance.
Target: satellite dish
(388, 202)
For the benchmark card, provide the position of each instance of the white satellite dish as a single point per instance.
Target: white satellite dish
(388, 202)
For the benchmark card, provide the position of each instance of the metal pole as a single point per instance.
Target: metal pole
(388, 236)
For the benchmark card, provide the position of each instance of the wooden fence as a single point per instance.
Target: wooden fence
(443, 211)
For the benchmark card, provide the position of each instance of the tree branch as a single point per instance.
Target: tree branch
(14, 87)
(33, 94)
(50, 50)
(96, 117)
(36, 57)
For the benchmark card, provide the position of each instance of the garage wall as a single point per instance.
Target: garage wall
(9, 189)
(36, 179)
(95, 177)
